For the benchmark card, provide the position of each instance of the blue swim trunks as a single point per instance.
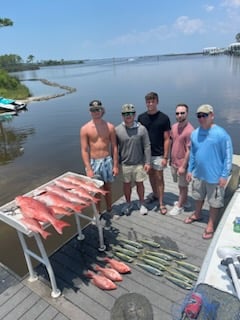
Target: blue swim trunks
(103, 168)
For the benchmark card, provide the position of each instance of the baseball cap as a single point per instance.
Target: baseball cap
(128, 107)
(205, 108)
(95, 104)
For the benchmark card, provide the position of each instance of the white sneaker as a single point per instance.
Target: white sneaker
(175, 211)
(187, 205)
(143, 210)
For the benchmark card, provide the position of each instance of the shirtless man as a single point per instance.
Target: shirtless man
(99, 149)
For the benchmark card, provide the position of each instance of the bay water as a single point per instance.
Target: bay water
(43, 142)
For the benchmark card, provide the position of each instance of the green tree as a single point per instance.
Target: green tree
(30, 58)
(5, 22)
(237, 37)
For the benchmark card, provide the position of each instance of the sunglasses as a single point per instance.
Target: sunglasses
(126, 114)
(202, 115)
(95, 109)
(180, 113)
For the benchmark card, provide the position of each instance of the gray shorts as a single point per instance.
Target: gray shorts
(181, 179)
(213, 192)
(134, 173)
(156, 163)
(103, 168)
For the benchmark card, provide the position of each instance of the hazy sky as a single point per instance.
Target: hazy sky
(89, 29)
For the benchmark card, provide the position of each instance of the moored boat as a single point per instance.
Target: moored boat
(11, 105)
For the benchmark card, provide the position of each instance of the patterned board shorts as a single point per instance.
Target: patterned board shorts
(103, 168)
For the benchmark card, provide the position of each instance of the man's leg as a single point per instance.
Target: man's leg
(140, 191)
(152, 180)
(183, 192)
(108, 197)
(127, 190)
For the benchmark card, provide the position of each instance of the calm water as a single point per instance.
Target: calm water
(43, 142)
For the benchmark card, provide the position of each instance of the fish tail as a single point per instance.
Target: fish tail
(59, 225)
(88, 273)
(45, 234)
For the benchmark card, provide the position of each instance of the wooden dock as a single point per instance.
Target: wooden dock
(80, 299)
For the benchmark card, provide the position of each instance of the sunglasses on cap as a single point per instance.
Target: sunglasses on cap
(95, 109)
(202, 115)
(180, 113)
(126, 114)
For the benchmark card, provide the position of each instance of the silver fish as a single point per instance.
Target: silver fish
(180, 276)
(131, 248)
(176, 254)
(153, 263)
(150, 243)
(157, 259)
(188, 266)
(190, 274)
(180, 283)
(123, 257)
(159, 255)
(150, 269)
(125, 251)
(132, 243)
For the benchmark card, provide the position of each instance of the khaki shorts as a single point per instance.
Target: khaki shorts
(182, 182)
(134, 173)
(213, 192)
(156, 163)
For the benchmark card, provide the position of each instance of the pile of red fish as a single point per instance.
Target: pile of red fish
(64, 197)
(105, 277)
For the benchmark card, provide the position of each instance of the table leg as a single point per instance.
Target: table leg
(100, 228)
(32, 274)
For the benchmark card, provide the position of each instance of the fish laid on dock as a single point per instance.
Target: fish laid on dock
(190, 274)
(132, 243)
(100, 281)
(150, 243)
(153, 263)
(150, 269)
(120, 266)
(32, 208)
(178, 282)
(178, 275)
(157, 259)
(188, 266)
(131, 248)
(124, 251)
(175, 254)
(109, 273)
(123, 256)
(161, 255)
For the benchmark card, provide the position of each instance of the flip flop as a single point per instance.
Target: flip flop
(207, 235)
(192, 219)
(163, 210)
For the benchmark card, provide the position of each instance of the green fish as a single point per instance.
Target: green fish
(131, 248)
(153, 263)
(159, 255)
(150, 269)
(188, 266)
(132, 243)
(187, 273)
(175, 254)
(180, 276)
(178, 282)
(123, 257)
(125, 251)
(159, 260)
(150, 243)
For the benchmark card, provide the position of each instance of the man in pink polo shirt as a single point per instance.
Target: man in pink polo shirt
(180, 150)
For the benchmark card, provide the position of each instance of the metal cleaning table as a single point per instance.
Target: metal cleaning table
(11, 216)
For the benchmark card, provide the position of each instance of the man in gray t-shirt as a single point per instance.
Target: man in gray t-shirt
(134, 156)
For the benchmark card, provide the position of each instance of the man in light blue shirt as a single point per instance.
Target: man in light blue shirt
(210, 165)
